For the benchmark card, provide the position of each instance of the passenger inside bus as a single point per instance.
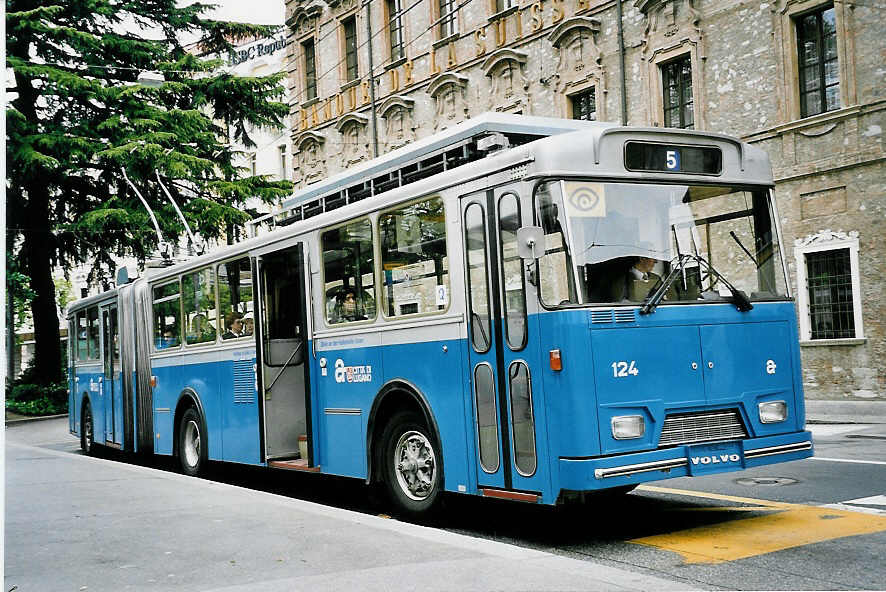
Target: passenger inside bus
(346, 309)
(201, 329)
(248, 325)
(167, 340)
(234, 325)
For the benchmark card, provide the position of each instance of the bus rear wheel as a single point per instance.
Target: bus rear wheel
(191, 447)
(87, 437)
(412, 470)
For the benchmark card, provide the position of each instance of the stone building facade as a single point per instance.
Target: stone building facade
(803, 79)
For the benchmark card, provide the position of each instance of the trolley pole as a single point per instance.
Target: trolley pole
(371, 80)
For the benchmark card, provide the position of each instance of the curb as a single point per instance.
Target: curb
(33, 419)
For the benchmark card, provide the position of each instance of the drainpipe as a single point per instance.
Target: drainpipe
(371, 80)
(621, 57)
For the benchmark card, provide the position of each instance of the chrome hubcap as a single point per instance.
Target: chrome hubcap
(415, 465)
(192, 443)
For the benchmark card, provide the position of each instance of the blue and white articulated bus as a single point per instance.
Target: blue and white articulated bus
(517, 307)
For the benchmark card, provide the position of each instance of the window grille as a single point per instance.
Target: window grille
(584, 105)
(817, 62)
(829, 283)
(677, 83)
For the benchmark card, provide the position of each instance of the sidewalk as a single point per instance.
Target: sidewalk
(94, 524)
(845, 411)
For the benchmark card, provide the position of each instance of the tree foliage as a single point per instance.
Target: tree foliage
(78, 117)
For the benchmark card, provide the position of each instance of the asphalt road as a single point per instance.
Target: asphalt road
(816, 524)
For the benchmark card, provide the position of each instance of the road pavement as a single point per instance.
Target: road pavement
(89, 524)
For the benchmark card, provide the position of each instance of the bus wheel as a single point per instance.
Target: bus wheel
(412, 470)
(191, 448)
(86, 432)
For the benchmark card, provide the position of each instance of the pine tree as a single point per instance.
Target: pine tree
(78, 117)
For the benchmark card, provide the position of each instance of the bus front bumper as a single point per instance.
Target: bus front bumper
(690, 460)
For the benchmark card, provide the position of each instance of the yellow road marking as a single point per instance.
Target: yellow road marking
(790, 525)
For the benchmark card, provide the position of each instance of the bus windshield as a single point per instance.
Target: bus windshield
(620, 243)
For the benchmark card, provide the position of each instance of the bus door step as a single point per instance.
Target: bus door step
(520, 496)
(296, 464)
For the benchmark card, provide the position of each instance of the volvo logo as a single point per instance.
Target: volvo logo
(715, 459)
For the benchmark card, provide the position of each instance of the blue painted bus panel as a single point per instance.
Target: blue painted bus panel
(343, 447)
(440, 376)
(662, 347)
(353, 378)
(570, 394)
(232, 427)
(238, 399)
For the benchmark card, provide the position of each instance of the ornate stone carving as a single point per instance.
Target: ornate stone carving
(310, 157)
(354, 138)
(510, 86)
(304, 17)
(670, 20)
(449, 91)
(396, 110)
(826, 236)
(580, 63)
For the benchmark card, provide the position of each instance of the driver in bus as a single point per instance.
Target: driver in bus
(642, 281)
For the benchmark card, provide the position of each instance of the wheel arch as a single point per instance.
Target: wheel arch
(188, 398)
(396, 395)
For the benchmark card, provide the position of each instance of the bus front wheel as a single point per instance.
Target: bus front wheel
(191, 447)
(412, 470)
(87, 436)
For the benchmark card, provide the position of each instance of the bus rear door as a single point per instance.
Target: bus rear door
(112, 389)
(283, 351)
(507, 409)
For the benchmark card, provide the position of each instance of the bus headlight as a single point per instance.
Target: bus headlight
(626, 427)
(773, 411)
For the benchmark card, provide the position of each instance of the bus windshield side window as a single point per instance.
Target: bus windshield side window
(198, 304)
(167, 316)
(415, 266)
(235, 298)
(92, 334)
(81, 336)
(349, 273)
(555, 267)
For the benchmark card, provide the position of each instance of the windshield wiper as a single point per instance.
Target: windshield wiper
(737, 297)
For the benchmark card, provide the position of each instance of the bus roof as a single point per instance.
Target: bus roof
(483, 124)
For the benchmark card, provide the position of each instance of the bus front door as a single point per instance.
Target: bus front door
(112, 389)
(507, 410)
(283, 351)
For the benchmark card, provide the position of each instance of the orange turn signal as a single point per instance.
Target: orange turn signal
(556, 361)
(153, 381)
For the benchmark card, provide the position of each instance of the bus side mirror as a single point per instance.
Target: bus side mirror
(530, 242)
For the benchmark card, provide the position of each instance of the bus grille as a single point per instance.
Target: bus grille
(704, 426)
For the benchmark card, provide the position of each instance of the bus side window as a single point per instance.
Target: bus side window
(81, 330)
(349, 273)
(415, 265)
(235, 298)
(92, 332)
(167, 316)
(198, 305)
